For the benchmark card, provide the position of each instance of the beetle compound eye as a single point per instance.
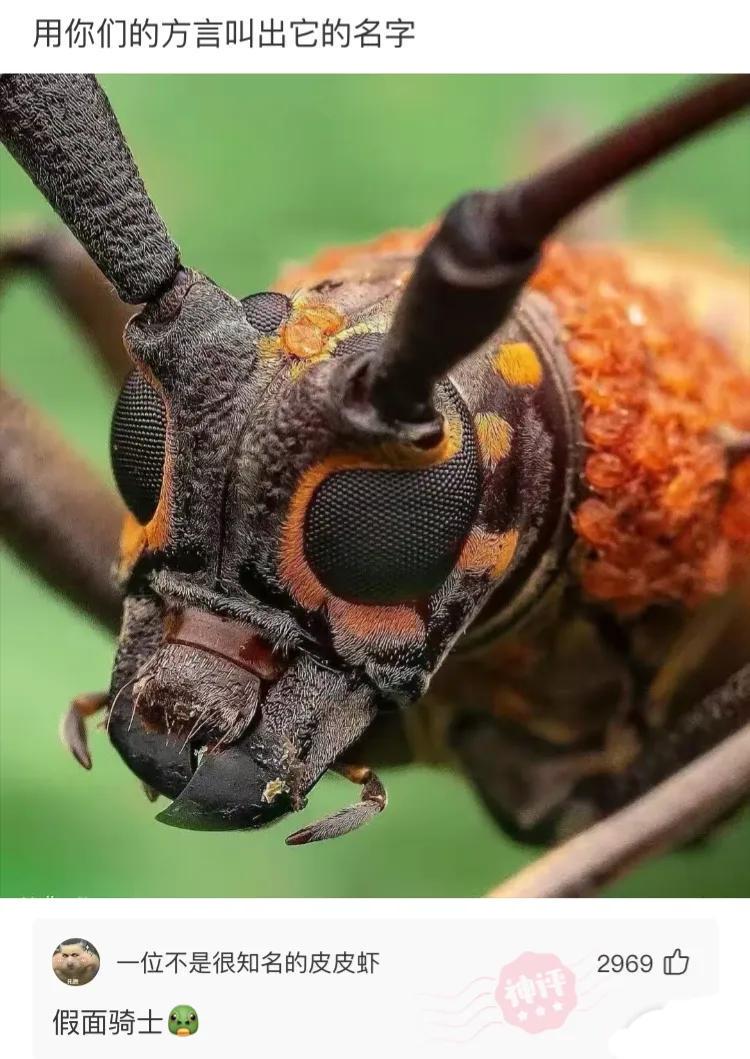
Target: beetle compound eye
(137, 445)
(390, 535)
(266, 311)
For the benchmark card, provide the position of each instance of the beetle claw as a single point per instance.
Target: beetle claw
(373, 801)
(73, 735)
(73, 725)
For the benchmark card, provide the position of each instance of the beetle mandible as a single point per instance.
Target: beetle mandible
(463, 493)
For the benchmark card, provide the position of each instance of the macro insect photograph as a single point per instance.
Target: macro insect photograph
(335, 491)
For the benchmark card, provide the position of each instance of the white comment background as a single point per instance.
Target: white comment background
(705, 1013)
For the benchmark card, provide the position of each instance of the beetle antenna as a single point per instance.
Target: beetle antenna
(470, 273)
(61, 129)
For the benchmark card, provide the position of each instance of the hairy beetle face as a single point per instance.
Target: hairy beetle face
(286, 579)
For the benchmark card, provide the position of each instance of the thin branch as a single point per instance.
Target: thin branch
(56, 513)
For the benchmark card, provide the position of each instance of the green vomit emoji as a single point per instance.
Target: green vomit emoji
(183, 1021)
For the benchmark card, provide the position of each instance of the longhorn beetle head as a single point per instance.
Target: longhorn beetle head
(311, 527)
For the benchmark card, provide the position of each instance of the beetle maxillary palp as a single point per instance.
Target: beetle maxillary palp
(373, 800)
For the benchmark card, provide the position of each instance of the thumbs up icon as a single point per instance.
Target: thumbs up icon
(676, 963)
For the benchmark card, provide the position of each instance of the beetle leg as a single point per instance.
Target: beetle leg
(74, 281)
(690, 656)
(524, 780)
(665, 752)
(73, 724)
(712, 743)
(55, 512)
(373, 801)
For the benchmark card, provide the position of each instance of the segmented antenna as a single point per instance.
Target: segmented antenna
(61, 129)
(469, 275)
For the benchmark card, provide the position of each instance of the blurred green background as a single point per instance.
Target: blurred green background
(250, 172)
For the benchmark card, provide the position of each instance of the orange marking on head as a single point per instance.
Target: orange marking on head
(136, 539)
(488, 553)
(375, 622)
(157, 531)
(306, 332)
(302, 339)
(494, 434)
(518, 364)
(132, 544)
(293, 566)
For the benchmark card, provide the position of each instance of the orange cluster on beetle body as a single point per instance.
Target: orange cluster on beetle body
(666, 518)
(400, 242)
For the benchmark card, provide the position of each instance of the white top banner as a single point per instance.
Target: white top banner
(376, 36)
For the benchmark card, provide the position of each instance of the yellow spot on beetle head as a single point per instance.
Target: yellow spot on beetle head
(308, 329)
(518, 364)
(494, 435)
(488, 553)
